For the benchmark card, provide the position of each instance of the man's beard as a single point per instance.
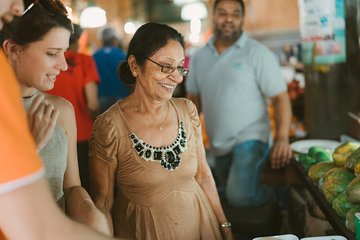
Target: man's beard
(227, 38)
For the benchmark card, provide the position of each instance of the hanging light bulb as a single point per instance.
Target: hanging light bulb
(92, 17)
(193, 10)
(129, 27)
(181, 2)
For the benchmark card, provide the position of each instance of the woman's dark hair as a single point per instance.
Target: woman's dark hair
(148, 39)
(241, 2)
(35, 23)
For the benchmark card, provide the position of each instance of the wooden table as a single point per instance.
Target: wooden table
(337, 223)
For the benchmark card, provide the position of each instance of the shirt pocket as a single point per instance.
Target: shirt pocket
(242, 77)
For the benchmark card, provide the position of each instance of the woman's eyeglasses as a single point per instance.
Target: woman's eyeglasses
(169, 69)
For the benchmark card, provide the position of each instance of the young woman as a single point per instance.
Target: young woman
(35, 44)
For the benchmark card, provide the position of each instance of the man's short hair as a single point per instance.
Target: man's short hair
(241, 2)
(108, 35)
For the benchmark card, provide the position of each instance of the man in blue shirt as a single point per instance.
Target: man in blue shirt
(230, 81)
(107, 59)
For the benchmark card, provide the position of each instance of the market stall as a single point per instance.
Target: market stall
(329, 171)
(336, 222)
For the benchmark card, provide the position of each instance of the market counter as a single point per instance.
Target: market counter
(337, 223)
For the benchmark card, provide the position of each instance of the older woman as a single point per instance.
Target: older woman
(148, 169)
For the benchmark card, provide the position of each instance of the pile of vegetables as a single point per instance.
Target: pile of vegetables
(337, 175)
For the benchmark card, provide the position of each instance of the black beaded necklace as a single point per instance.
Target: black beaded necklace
(167, 156)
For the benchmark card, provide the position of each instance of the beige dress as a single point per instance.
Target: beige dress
(150, 201)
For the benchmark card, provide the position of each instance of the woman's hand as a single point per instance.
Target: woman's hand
(98, 221)
(42, 117)
(227, 233)
(80, 207)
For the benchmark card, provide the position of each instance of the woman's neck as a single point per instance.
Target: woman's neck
(27, 91)
(145, 104)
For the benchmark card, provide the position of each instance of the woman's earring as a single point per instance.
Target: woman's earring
(135, 74)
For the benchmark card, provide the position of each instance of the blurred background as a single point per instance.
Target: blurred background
(275, 22)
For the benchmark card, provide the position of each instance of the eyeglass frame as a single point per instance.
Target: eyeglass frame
(182, 70)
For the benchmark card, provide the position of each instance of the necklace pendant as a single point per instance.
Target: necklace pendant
(160, 128)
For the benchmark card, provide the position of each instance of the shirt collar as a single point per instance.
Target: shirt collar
(242, 40)
(239, 43)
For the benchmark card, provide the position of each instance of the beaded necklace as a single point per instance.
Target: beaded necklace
(167, 156)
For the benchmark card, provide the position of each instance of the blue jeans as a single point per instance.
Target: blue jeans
(239, 175)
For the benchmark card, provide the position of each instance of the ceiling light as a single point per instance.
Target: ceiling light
(181, 2)
(193, 10)
(92, 17)
(129, 28)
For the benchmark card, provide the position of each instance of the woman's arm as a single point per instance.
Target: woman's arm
(206, 181)
(102, 188)
(25, 215)
(91, 94)
(103, 165)
(204, 176)
(79, 205)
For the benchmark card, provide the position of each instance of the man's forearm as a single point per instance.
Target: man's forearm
(283, 115)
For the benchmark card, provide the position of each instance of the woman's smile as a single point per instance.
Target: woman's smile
(168, 87)
(51, 77)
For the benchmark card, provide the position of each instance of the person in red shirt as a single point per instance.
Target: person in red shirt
(79, 86)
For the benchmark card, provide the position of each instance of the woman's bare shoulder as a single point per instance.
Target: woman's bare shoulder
(59, 103)
(65, 108)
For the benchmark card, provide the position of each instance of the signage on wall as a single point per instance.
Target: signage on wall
(322, 28)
